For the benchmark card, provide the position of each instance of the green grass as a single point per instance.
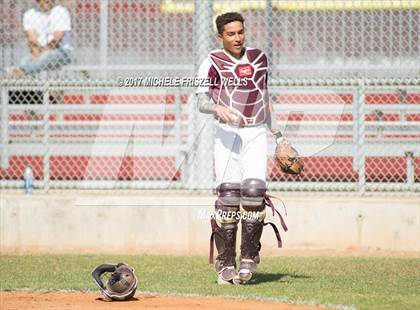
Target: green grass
(365, 283)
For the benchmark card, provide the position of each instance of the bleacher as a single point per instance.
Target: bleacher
(142, 134)
(97, 132)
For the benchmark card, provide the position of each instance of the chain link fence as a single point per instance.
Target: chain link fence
(344, 81)
(161, 37)
(352, 136)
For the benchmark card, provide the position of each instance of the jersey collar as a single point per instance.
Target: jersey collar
(243, 59)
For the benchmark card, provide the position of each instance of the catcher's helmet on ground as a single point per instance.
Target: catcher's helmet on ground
(121, 285)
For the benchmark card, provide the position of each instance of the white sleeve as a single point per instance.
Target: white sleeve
(61, 20)
(203, 74)
(28, 21)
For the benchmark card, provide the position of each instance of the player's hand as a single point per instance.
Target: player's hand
(227, 114)
(280, 139)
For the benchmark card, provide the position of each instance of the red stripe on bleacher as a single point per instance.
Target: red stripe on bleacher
(118, 8)
(412, 117)
(413, 98)
(26, 117)
(339, 98)
(165, 136)
(381, 98)
(132, 99)
(133, 8)
(318, 136)
(340, 169)
(113, 168)
(334, 117)
(326, 168)
(377, 98)
(113, 136)
(17, 165)
(119, 117)
(313, 117)
(87, 8)
(384, 118)
(73, 99)
(402, 136)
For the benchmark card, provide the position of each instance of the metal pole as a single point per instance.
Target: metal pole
(4, 127)
(355, 106)
(178, 114)
(203, 34)
(410, 168)
(268, 14)
(202, 176)
(103, 35)
(45, 138)
(178, 136)
(361, 138)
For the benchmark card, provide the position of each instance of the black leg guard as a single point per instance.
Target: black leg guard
(227, 211)
(252, 200)
(225, 239)
(251, 235)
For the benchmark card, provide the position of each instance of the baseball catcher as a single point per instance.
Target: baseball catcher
(122, 283)
(243, 113)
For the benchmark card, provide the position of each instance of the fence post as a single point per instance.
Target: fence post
(180, 159)
(268, 15)
(410, 168)
(103, 39)
(360, 146)
(4, 128)
(203, 123)
(45, 137)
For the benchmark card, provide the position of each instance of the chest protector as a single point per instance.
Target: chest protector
(242, 85)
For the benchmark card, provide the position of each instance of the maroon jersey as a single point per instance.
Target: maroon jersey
(241, 84)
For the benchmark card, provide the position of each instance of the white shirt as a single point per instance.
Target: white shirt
(46, 23)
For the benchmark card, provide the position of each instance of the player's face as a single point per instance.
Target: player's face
(233, 38)
(45, 5)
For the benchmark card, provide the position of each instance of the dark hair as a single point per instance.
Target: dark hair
(227, 18)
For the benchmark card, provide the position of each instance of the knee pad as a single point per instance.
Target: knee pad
(228, 202)
(252, 198)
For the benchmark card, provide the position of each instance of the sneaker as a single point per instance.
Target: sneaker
(246, 269)
(226, 275)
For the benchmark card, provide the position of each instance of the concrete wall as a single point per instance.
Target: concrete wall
(139, 223)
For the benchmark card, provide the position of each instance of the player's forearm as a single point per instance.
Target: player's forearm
(205, 104)
(272, 124)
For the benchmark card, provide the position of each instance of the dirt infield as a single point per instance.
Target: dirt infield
(90, 301)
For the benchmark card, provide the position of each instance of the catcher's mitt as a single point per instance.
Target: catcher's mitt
(288, 158)
(121, 285)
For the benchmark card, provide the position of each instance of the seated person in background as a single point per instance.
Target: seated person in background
(48, 30)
